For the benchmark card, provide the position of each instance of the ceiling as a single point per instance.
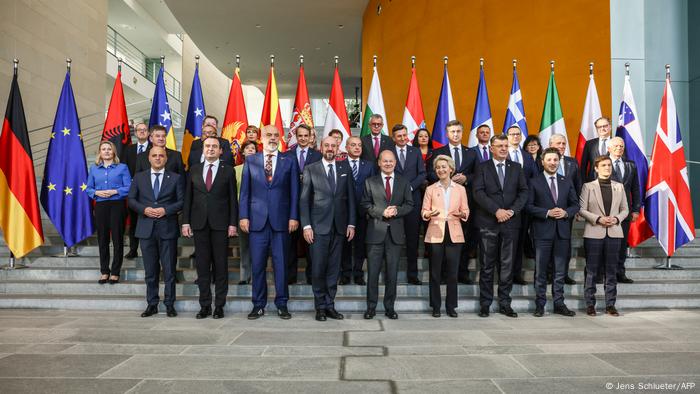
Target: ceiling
(134, 20)
(317, 29)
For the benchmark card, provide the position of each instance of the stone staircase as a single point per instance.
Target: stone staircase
(56, 282)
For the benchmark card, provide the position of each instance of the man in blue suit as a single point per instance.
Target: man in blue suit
(269, 212)
(157, 196)
(552, 201)
(354, 252)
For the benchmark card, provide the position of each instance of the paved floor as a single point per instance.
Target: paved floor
(115, 352)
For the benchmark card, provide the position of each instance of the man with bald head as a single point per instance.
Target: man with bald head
(269, 212)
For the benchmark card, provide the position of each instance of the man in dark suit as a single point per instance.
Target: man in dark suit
(595, 147)
(625, 172)
(482, 148)
(376, 142)
(129, 156)
(269, 211)
(174, 162)
(354, 252)
(197, 147)
(157, 194)
(304, 154)
(500, 192)
(465, 163)
(211, 213)
(410, 167)
(552, 201)
(387, 199)
(327, 209)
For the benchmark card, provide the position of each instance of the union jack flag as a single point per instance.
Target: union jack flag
(668, 207)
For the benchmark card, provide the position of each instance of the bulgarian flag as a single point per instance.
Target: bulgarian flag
(552, 117)
(591, 112)
(236, 118)
(337, 116)
(271, 114)
(301, 113)
(413, 117)
(375, 104)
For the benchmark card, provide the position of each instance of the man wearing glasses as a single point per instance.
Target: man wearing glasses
(594, 148)
(376, 142)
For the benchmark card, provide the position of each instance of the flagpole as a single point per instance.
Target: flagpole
(301, 61)
(196, 62)
(627, 69)
(272, 61)
(335, 60)
(515, 64)
(413, 62)
(481, 63)
(551, 65)
(119, 65)
(11, 265)
(374, 60)
(238, 61)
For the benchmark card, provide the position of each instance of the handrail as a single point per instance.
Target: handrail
(88, 115)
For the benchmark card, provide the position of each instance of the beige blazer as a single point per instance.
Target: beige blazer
(591, 201)
(435, 199)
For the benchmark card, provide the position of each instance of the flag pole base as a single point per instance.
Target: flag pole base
(12, 265)
(668, 266)
(68, 252)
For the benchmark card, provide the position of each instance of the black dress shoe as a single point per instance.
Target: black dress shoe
(451, 313)
(170, 311)
(203, 312)
(436, 312)
(344, 281)
(519, 281)
(369, 314)
(590, 310)
(610, 310)
(131, 255)
(507, 310)
(624, 279)
(321, 315)
(283, 313)
(103, 280)
(360, 281)
(218, 312)
(415, 281)
(242, 282)
(391, 314)
(333, 314)
(150, 311)
(564, 311)
(114, 281)
(484, 311)
(309, 282)
(256, 313)
(465, 281)
(291, 281)
(569, 281)
(539, 311)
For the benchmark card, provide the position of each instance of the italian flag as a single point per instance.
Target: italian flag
(413, 116)
(337, 116)
(375, 105)
(552, 117)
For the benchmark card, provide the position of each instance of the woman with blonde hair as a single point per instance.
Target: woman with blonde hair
(108, 184)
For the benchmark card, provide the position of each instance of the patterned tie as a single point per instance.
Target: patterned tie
(402, 158)
(354, 169)
(486, 154)
(553, 188)
(618, 170)
(156, 186)
(331, 177)
(458, 160)
(140, 149)
(376, 147)
(268, 168)
(302, 160)
(387, 189)
(501, 174)
(210, 175)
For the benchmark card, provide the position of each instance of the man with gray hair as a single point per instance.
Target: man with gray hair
(376, 142)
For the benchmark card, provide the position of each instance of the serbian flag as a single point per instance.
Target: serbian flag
(668, 207)
(413, 116)
(116, 127)
(302, 109)
(337, 116)
(236, 118)
(445, 112)
(195, 116)
(271, 109)
(20, 218)
(630, 130)
(591, 112)
(482, 110)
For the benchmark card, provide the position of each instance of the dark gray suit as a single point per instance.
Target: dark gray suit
(385, 237)
(632, 190)
(328, 210)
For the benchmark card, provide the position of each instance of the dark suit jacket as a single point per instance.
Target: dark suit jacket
(631, 183)
(277, 201)
(368, 147)
(571, 172)
(540, 201)
(490, 197)
(374, 203)
(170, 197)
(312, 155)
(591, 150)
(529, 165)
(414, 171)
(320, 207)
(130, 157)
(197, 148)
(480, 153)
(174, 163)
(365, 170)
(469, 162)
(218, 207)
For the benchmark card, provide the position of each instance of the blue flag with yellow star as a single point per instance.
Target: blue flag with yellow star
(63, 193)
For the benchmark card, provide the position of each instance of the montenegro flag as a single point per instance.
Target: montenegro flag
(20, 218)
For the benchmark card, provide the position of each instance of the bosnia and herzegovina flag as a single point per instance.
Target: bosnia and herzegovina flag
(160, 112)
(20, 218)
(63, 190)
(195, 116)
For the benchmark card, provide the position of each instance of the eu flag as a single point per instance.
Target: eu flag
(63, 193)
(160, 112)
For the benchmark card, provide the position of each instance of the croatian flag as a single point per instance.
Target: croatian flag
(630, 130)
(482, 110)
(515, 113)
(445, 112)
(669, 209)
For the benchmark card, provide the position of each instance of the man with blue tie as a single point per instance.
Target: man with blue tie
(157, 195)
(269, 212)
(304, 154)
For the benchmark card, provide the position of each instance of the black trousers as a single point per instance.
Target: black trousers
(297, 242)
(622, 257)
(355, 251)
(603, 252)
(444, 257)
(109, 220)
(211, 248)
(133, 241)
(326, 251)
(411, 225)
(551, 252)
(496, 252)
(159, 253)
(520, 246)
(387, 253)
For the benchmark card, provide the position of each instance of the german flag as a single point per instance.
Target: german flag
(20, 218)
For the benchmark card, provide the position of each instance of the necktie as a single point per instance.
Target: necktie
(486, 154)
(268, 168)
(603, 147)
(140, 149)
(517, 156)
(376, 147)
(302, 160)
(501, 174)
(553, 188)
(458, 160)
(387, 189)
(156, 186)
(402, 158)
(331, 177)
(560, 170)
(210, 175)
(618, 170)
(354, 169)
